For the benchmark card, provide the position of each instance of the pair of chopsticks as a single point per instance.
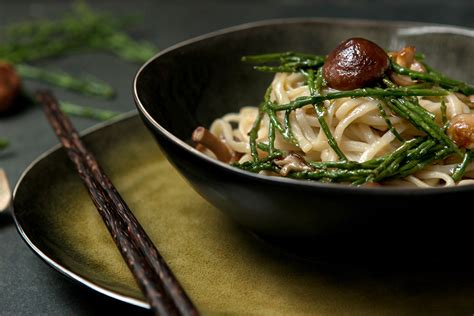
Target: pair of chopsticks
(154, 277)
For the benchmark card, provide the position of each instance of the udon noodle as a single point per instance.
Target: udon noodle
(356, 123)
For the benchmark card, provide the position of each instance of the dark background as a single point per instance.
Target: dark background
(29, 286)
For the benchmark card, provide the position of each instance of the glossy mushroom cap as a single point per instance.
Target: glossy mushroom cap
(355, 63)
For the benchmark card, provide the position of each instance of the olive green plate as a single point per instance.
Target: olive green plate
(224, 269)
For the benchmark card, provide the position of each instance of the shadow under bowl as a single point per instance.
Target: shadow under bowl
(197, 81)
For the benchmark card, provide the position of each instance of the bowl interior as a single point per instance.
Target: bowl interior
(196, 82)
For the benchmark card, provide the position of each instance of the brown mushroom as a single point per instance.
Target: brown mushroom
(372, 185)
(205, 138)
(292, 162)
(406, 58)
(468, 99)
(355, 63)
(461, 130)
(10, 85)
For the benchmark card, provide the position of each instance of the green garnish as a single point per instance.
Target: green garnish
(365, 92)
(315, 90)
(4, 143)
(285, 62)
(81, 30)
(86, 85)
(436, 78)
(87, 112)
(460, 169)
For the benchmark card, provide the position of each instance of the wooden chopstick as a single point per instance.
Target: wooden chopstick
(154, 277)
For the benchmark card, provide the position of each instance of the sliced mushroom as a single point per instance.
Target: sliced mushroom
(417, 66)
(372, 185)
(468, 99)
(203, 137)
(201, 148)
(461, 130)
(292, 162)
(401, 80)
(406, 58)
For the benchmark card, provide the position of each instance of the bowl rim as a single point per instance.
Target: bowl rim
(406, 27)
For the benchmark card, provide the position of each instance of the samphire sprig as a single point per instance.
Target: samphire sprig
(79, 30)
(410, 157)
(434, 77)
(285, 62)
(315, 86)
(273, 124)
(356, 93)
(87, 112)
(87, 85)
(4, 143)
(82, 29)
(253, 134)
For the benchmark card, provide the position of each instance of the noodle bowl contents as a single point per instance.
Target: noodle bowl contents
(359, 116)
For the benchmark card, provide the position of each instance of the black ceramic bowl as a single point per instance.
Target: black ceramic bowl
(194, 82)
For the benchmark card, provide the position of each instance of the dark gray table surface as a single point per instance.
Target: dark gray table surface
(28, 285)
